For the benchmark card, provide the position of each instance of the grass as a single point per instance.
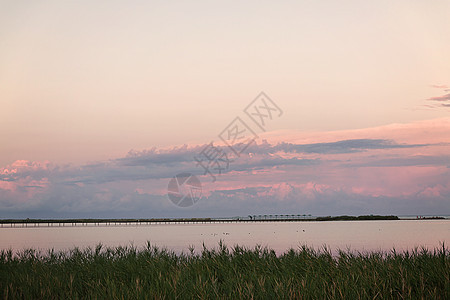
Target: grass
(237, 272)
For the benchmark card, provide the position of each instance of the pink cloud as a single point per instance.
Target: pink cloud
(443, 98)
(427, 131)
(439, 86)
(435, 191)
(397, 161)
(24, 165)
(17, 178)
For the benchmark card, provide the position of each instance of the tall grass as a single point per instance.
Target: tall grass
(237, 272)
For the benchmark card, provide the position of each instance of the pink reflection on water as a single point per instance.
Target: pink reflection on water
(353, 235)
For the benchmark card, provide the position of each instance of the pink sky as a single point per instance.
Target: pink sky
(98, 98)
(349, 171)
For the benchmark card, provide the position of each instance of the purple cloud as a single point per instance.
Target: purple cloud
(296, 174)
(443, 98)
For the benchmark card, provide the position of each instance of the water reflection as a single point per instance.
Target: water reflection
(353, 235)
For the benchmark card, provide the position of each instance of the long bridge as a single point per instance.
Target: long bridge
(136, 222)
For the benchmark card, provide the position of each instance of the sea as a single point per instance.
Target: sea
(355, 236)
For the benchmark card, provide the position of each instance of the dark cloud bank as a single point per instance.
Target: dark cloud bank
(108, 189)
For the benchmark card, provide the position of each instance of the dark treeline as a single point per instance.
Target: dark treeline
(353, 218)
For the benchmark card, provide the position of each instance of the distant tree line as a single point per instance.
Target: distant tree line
(353, 218)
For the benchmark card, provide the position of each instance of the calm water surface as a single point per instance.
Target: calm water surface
(353, 235)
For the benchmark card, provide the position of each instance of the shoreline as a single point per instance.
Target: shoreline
(267, 218)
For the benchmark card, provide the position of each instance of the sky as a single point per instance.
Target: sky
(104, 102)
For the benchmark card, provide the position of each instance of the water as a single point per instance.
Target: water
(280, 236)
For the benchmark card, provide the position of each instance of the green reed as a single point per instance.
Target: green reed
(222, 272)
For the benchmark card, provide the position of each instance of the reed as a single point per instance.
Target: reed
(222, 272)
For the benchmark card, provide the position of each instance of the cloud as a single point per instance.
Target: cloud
(440, 99)
(415, 160)
(439, 86)
(443, 101)
(349, 175)
(443, 98)
(321, 199)
(160, 156)
(345, 146)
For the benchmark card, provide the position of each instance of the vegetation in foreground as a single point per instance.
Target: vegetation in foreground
(126, 272)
